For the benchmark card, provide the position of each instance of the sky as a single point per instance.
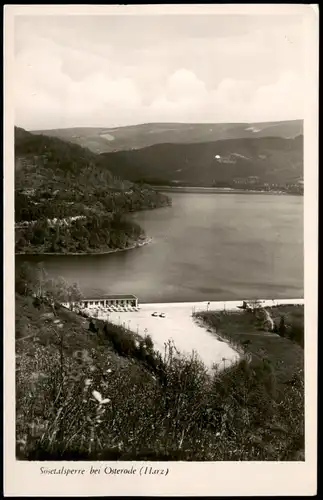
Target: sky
(117, 70)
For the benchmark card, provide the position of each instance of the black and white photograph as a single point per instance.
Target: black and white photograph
(159, 179)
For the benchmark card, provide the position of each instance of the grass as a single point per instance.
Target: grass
(246, 329)
(292, 313)
(98, 392)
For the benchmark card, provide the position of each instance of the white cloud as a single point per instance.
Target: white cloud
(77, 73)
(183, 85)
(231, 99)
(286, 96)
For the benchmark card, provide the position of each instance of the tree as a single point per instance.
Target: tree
(57, 290)
(149, 342)
(74, 293)
(41, 278)
(275, 328)
(21, 243)
(30, 280)
(297, 334)
(35, 281)
(282, 327)
(255, 305)
(25, 279)
(40, 232)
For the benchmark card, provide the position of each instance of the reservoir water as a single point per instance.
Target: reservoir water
(205, 247)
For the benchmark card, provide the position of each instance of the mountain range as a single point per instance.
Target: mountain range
(230, 163)
(62, 179)
(263, 155)
(104, 140)
(68, 201)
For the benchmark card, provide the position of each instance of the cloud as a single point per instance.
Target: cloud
(77, 72)
(285, 96)
(183, 85)
(229, 100)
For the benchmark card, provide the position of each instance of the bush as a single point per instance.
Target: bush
(73, 402)
(149, 342)
(123, 342)
(92, 327)
(282, 327)
(187, 414)
(296, 334)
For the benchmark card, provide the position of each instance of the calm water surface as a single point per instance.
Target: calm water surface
(205, 247)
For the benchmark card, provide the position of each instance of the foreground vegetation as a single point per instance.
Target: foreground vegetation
(67, 200)
(87, 389)
(248, 329)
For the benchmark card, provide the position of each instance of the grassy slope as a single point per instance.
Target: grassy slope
(38, 361)
(245, 327)
(140, 136)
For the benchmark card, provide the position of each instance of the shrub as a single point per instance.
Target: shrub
(92, 327)
(149, 343)
(122, 341)
(82, 406)
(282, 327)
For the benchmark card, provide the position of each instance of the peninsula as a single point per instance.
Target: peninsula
(68, 202)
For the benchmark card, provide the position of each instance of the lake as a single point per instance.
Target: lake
(205, 247)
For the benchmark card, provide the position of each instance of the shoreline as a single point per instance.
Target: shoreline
(201, 189)
(218, 305)
(146, 241)
(181, 326)
(178, 326)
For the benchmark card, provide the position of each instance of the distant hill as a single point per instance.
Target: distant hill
(67, 200)
(101, 140)
(41, 161)
(45, 163)
(232, 162)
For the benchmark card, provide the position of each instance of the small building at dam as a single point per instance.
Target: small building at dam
(105, 301)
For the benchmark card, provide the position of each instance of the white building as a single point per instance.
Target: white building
(105, 301)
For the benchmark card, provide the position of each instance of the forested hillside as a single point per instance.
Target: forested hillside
(67, 200)
(240, 163)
